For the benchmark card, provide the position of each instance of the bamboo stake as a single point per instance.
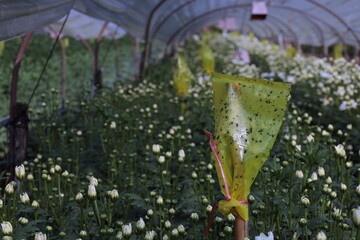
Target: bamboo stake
(241, 230)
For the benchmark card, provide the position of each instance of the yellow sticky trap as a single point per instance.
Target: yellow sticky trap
(66, 42)
(182, 77)
(207, 58)
(291, 51)
(265, 42)
(251, 36)
(338, 51)
(2, 47)
(248, 116)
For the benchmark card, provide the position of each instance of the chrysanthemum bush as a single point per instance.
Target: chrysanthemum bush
(133, 161)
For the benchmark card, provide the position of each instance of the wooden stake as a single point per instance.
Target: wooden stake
(63, 73)
(240, 229)
(98, 81)
(18, 116)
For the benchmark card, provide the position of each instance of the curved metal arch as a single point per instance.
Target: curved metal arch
(158, 27)
(186, 30)
(337, 17)
(171, 39)
(314, 17)
(267, 27)
(283, 24)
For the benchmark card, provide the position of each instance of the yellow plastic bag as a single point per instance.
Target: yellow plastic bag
(2, 47)
(248, 116)
(182, 77)
(207, 58)
(338, 51)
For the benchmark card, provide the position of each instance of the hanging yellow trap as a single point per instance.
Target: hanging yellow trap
(182, 77)
(248, 116)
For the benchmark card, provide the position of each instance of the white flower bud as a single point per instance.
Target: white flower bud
(305, 201)
(140, 224)
(150, 235)
(24, 198)
(114, 194)
(181, 154)
(328, 180)
(194, 217)
(349, 164)
(161, 160)
(356, 216)
(299, 174)
(321, 172)
(167, 224)
(160, 200)
(181, 229)
(30, 177)
(1, 204)
(6, 228)
(40, 236)
(230, 218)
(227, 229)
(93, 181)
(83, 233)
(57, 168)
(333, 194)
(113, 125)
(156, 148)
(339, 149)
(20, 172)
(310, 138)
(35, 204)
(321, 236)
(174, 232)
(194, 175)
(9, 189)
(208, 208)
(165, 237)
(23, 221)
(172, 211)
(150, 212)
(358, 189)
(127, 230)
(92, 191)
(314, 176)
(65, 174)
(343, 187)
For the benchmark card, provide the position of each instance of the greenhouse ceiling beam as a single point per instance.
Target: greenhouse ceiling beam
(173, 36)
(337, 17)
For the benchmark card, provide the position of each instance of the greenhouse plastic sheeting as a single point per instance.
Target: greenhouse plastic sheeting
(313, 22)
(82, 26)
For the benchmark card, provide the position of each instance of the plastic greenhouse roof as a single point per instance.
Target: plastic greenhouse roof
(81, 26)
(312, 22)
